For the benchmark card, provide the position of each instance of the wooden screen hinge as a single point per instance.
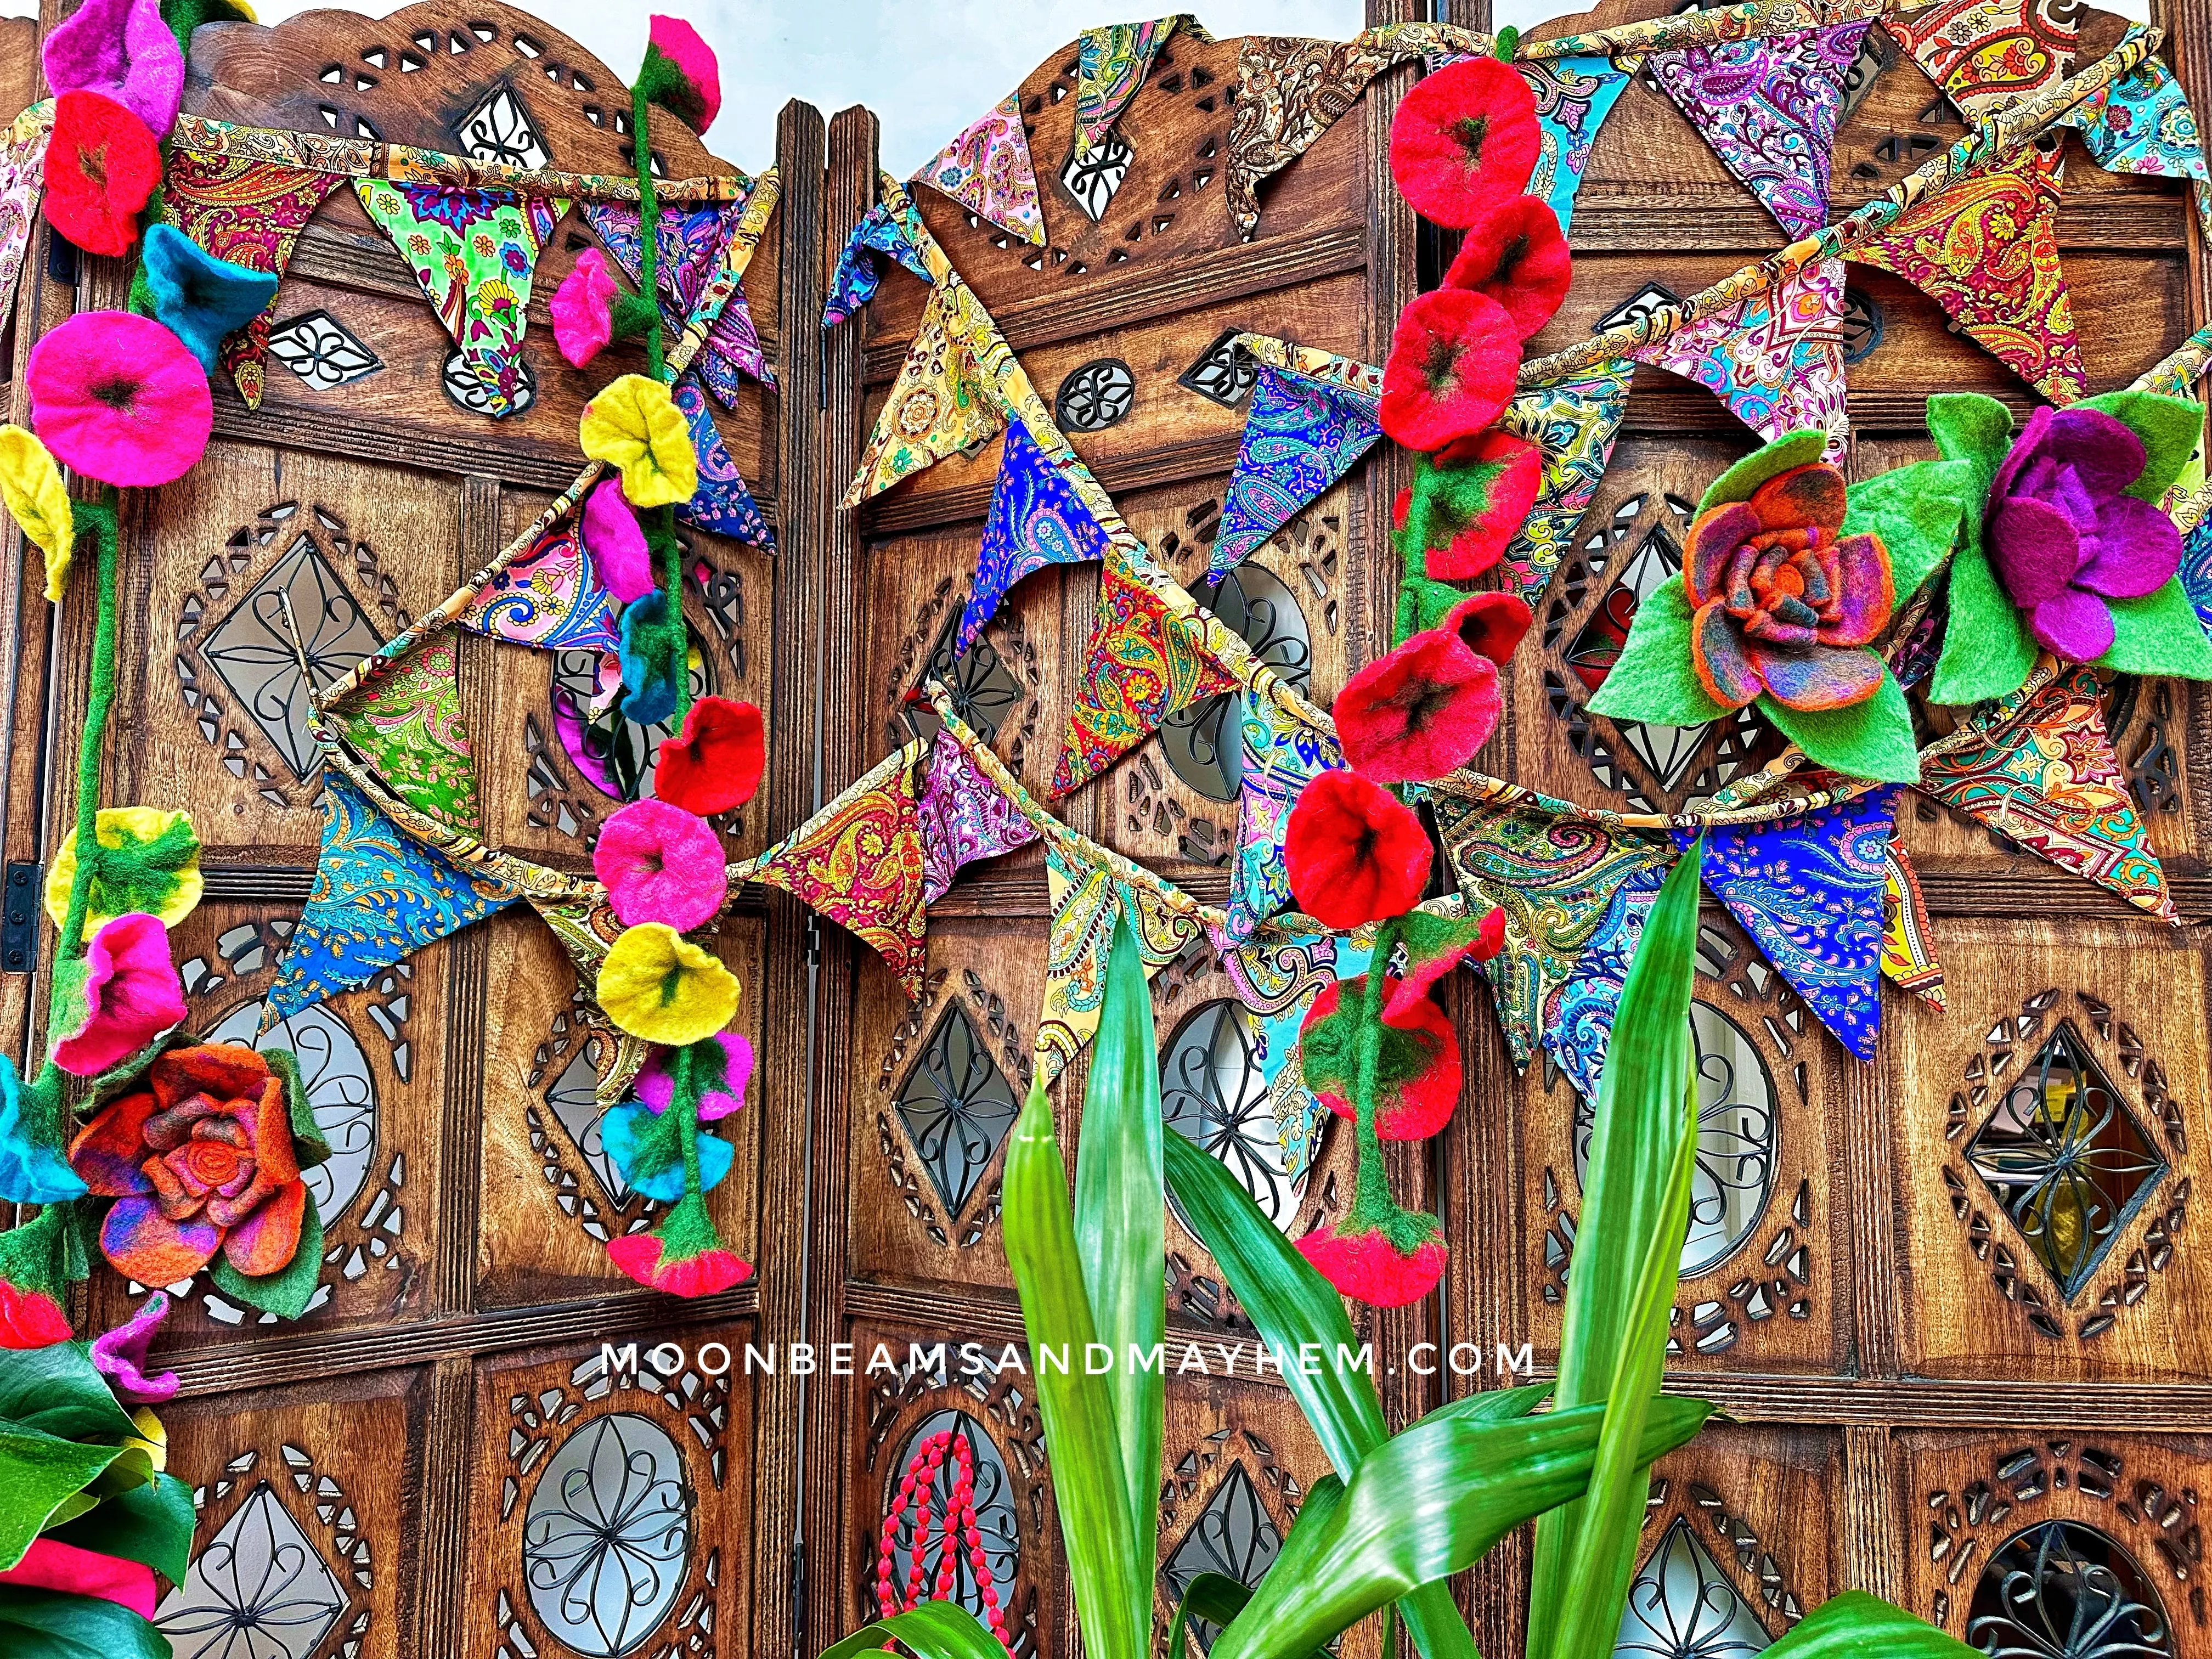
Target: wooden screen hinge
(799, 1598)
(813, 940)
(19, 919)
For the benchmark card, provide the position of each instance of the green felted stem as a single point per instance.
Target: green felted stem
(2169, 429)
(1372, 1208)
(2159, 633)
(1869, 739)
(659, 81)
(668, 577)
(648, 222)
(183, 16)
(1916, 512)
(1509, 38)
(683, 1101)
(687, 1231)
(1791, 449)
(98, 519)
(35, 1255)
(632, 317)
(1654, 680)
(1987, 650)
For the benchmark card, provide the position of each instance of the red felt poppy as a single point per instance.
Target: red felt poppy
(1463, 138)
(1451, 369)
(1416, 1073)
(101, 165)
(1434, 945)
(714, 765)
(1515, 254)
(1368, 1267)
(1490, 624)
(1419, 713)
(1356, 853)
(1470, 500)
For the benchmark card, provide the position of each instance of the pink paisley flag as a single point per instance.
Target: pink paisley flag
(964, 817)
(986, 170)
(22, 177)
(550, 597)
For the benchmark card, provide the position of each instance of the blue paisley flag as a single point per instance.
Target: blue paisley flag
(1809, 891)
(1578, 1018)
(1037, 520)
(1300, 437)
(2142, 123)
(721, 504)
(1573, 97)
(859, 271)
(379, 895)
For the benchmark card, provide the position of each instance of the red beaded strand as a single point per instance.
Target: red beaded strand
(953, 1530)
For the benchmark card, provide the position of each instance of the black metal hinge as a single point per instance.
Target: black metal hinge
(798, 1597)
(18, 920)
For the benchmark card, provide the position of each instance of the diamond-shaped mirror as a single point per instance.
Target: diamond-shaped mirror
(1681, 1606)
(957, 1107)
(1667, 751)
(258, 1586)
(252, 647)
(1232, 1536)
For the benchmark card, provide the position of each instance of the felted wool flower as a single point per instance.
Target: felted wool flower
(198, 297)
(1420, 711)
(1463, 138)
(148, 861)
(124, 49)
(1450, 371)
(657, 985)
(31, 1170)
(684, 1255)
(1418, 1063)
(36, 498)
(715, 764)
(101, 165)
(647, 1148)
(656, 659)
(616, 541)
(30, 1318)
(1514, 253)
(583, 308)
(680, 73)
(201, 1160)
(125, 993)
(1356, 853)
(1469, 501)
(50, 1564)
(2064, 535)
(635, 427)
(727, 1062)
(1365, 1266)
(660, 864)
(117, 397)
(120, 1355)
(1784, 602)
(1491, 625)
(1433, 946)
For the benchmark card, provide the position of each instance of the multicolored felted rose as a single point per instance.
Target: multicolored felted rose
(1365, 1264)
(196, 296)
(125, 992)
(1451, 367)
(657, 985)
(684, 1255)
(635, 427)
(117, 397)
(1355, 852)
(715, 764)
(148, 861)
(616, 541)
(1420, 711)
(101, 165)
(1467, 502)
(1463, 139)
(1418, 1068)
(680, 73)
(199, 1160)
(32, 487)
(661, 863)
(122, 49)
(1514, 252)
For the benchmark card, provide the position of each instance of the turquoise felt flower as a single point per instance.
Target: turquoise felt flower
(655, 658)
(199, 297)
(30, 1173)
(647, 1147)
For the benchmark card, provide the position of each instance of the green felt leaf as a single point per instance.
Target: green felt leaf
(39, 1624)
(1791, 449)
(1987, 649)
(1869, 739)
(58, 1391)
(287, 1292)
(1914, 511)
(151, 1523)
(1971, 427)
(35, 1255)
(39, 1473)
(309, 1146)
(2159, 633)
(1654, 681)
(2169, 429)
(1423, 602)
(1856, 1624)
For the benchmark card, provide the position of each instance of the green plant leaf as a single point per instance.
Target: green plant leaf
(1987, 650)
(1916, 511)
(2169, 429)
(57, 1390)
(39, 1624)
(1856, 1624)
(43, 1474)
(2159, 633)
(1089, 1492)
(1121, 1236)
(1634, 1134)
(1791, 449)
(1869, 739)
(287, 1292)
(1426, 1505)
(1653, 680)
(934, 1630)
(152, 1524)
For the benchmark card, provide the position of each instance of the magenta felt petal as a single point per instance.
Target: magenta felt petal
(615, 542)
(2035, 549)
(1816, 677)
(1714, 539)
(2137, 550)
(124, 50)
(1868, 596)
(2103, 451)
(1716, 652)
(2025, 444)
(2076, 625)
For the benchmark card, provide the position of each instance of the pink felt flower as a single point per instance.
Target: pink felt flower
(130, 995)
(692, 58)
(30, 1319)
(616, 541)
(584, 308)
(120, 398)
(1368, 1267)
(120, 1355)
(717, 1099)
(660, 864)
(122, 50)
(50, 1564)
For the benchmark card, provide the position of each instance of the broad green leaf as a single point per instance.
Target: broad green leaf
(56, 1390)
(1855, 1623)
(152, 1524)
(1916, 511)
(1637, 1125)
(1973, 428)
(43, 1474)
(2169, 429)
(1792, 449)
(39, 1624)
(1214, 1598)
(934, 1630)
(1987, 650)
(1869, 739)
(1653, 679)
(1426, 1505)
(1121, 1236)
(287, 1292)
(1088, 1490)
(2159, 633)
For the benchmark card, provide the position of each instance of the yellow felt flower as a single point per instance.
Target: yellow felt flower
(635, 427)
(150, 861)
(657, 985)
(31, 485)
(152, 1436)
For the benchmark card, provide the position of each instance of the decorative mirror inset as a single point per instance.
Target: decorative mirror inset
(993, 1495)
(957, 1108)
(1214, 1095)
(1681, 1606)
(1205, 742)
(606, 1538)
(2070, 1592)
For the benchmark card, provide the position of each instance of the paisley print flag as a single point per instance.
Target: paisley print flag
(1301, 435)
(22, 179)
(935, 408)
(1573, 97)
(2049, 781)
(1768, 108)
(721, 504)
(1578, 1016)
(1908, 949)
(1087, 897)
(2142, 123)
(1989, 53)
(1986, 249)
(407, 724)
(1809, 889)
(250, 213)
(964, 817)
(1037, 520)
(1573, 421)
(2197, 570)
(1775, 358)
(474, 252)
(1143, 665)
(1111, 64)
(379, 896)
(986, 170)
(859, 271)
(688, 254)
(550, 597)
(1281, 757)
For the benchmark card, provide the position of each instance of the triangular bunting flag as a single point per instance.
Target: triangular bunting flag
(964, 817)
(1553, 874)
(250, 213)
(1143, 665)
(2197, 570)
(2142, 123)
(1086, 898)
(1573, 97)
(692, 240)
(1111, 64)
(859, 863)
(1301, 435)
(859, 271)
(22, 179)
(1908, 949)
(1775, 358)
(986, 170)
(1288, 91)
(1768, 106)
(550, 598)
(935, 409)
(406, 723)
(1578, 1018)
(2051, 781)
(587, 930)
(379, 896)
(721, 504)
(1037, 520)
(1281, 756)
(1809, 891)
(473, 251)
(1989, 53)
(1986, 249)
(1573, 421)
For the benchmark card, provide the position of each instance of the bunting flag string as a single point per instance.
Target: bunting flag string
(859, 271)
(550, 597)
(22, 180)
(1301, 434)
(250, 213)
(964, 816)
(408, 724)
(688, 250)
(1037, 520)
(1573, 97)
(1989, 53)
(1111, 64)
(721, 504)
(473, 251)
(1573, 420)
(1908, 945)
(2142, 123)
(1279, 756)
(986, 170)
(935, 408)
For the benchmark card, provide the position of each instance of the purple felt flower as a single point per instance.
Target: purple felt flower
(120, 1356)
(2065, 536)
